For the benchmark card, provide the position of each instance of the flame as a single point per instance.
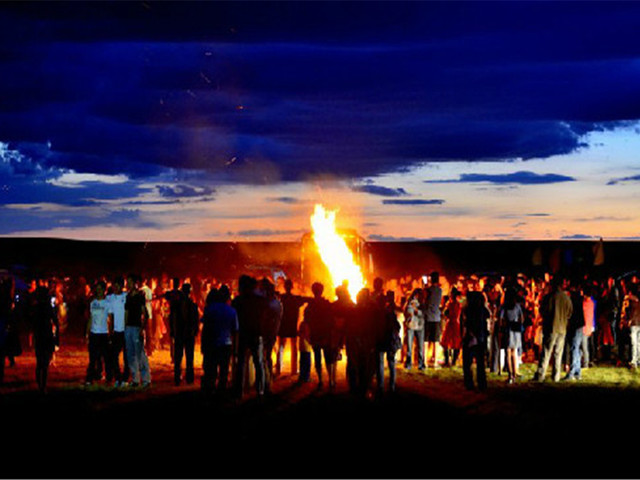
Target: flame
(334, 251)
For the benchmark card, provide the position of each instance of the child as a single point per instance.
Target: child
(304, 347)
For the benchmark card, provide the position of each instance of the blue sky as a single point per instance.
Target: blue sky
(228, 120)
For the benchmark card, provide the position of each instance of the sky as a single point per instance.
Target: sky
(228, 121)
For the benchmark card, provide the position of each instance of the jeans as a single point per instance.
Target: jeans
(215, 364)
(468, 354)
(553, 344)
(117, 347)
(419, 335)
(391, 362)
(136, 356)
(294, 354)
(183, 345)
(305, 366)
(98, 356)
(576, 350)
(253, 346)
(269, 344)
(635, 345)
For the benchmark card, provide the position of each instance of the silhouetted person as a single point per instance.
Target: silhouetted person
(219, 334)
(387, 340)
(271, 325)
(474, 339)
(291, 305)
(45, 331)
(185, 329)
(360, 341)
(175, 298)
(251, 309)
(319, 317)
(6, 311)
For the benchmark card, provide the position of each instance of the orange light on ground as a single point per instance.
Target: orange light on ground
(334, 252)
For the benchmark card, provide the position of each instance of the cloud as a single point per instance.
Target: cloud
(578, 236)
(380, 190)
(287, 200)
(16, 221)
(267, 232)
(615, 181)
(521, 178)
(183, 191)
(291, 97)
(417, 201)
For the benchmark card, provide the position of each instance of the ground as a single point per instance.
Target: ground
(431, 427)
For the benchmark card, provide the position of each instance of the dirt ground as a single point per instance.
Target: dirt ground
(430, 428)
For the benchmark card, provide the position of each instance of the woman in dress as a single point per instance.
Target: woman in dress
(451, 339)
(512, 317)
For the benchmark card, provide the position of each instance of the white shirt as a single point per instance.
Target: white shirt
(116, 308)
(148, 295)
(99, 311)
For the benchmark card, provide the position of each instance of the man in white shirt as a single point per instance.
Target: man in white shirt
(117, 300)
(98, 335)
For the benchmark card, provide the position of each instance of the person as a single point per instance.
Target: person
(512, 317)
(433, 300)
(45, 329)
(589, 307)
(149, 344)
(272, 319)
(632, 315)
(321, 323)
(342, 311)
(360, 341)
(607, 314)
(174, 298)
(291, 305)
(6, 311)
(387, 341)
(557, 309)
(219, 335)
(474, 339)
(98, 335)
(135, 318)
(251, 309)
(304, 341)
(185, 331)
(414, 326)
(574, 333)
(451, 340)
(116, 301)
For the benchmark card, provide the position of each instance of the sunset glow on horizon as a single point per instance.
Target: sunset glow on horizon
(229, 122)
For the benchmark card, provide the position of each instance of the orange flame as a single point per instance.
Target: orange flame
(334, 251)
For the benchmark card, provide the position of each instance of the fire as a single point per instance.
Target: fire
(334, 251)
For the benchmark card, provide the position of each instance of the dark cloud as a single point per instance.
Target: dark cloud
(521, 178)
(380, 190)
(615, 181)
(416, 201)
(267, 232)
(129, 89)
(287, 200)
(22, 220)
(183, 191)
(390, 238)
(578, 236)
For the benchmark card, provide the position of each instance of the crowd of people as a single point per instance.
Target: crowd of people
(495, 321)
